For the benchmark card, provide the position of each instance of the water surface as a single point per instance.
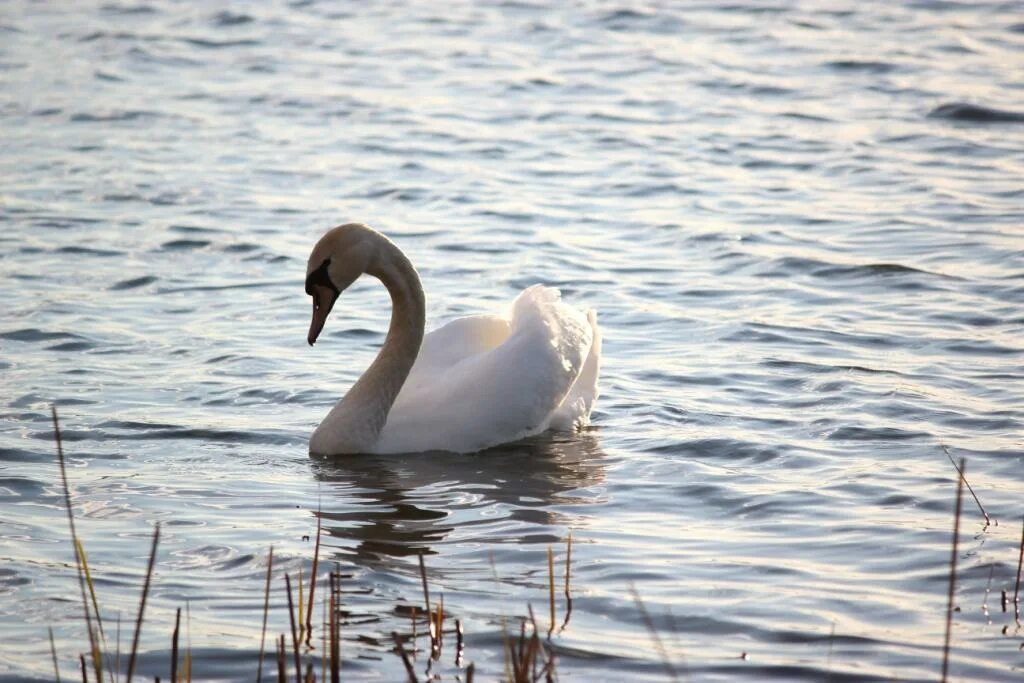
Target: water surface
(800, 225)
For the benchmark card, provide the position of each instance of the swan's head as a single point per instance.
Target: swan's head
(338, 259)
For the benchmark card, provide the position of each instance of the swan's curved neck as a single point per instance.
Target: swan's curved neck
(355, 423)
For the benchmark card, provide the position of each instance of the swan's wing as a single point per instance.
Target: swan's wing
(452, 343)
(507, 392)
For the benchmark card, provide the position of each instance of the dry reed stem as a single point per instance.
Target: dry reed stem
(649, 623)
(988, 520)
(324, 653)
(295, 635)
(92, 588)
(438, 630)
(409, 670)
(53, 653)
(174, 646)
(281, 678)
(335, 631)
(142, 601)
(312, 579)
(188, 642)
(85, 676)
(568, 564)
(459, 643)
(952, 569)
(301, 611)
(266, 608)
(551, 591)
(74, 536)
(1016, 589)
(423, 580)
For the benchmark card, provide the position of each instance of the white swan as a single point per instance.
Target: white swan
(472, 384)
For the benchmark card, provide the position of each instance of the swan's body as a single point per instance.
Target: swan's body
(474, 383)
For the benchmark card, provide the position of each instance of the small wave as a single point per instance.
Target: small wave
(865, 65)
(115, 8)
(181, 245)
(88, 251)
(159, 432)
(227, 18)
(883, 434)
(32, 334)
(192, 229)
(975, 113)
(869, 270)
(129, 115)
(72, 346)
(219, 44)
(133, 283)
(241, 248)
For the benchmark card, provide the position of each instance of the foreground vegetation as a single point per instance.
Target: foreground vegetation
(311, 650)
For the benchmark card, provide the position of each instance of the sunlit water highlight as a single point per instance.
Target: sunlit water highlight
(801, 226)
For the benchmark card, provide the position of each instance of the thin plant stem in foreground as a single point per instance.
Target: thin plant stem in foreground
(551, 591)
(295, 635)
(174, 646)
(142, 602)
(423, 580)
(1020, 562)
(409, 670)
(74, 537)
(649, 623)
(988, 520)
(53, 653)
(266, 607)
(952, 569)
(312, 579)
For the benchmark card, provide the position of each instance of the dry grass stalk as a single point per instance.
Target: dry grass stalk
(92, 588)
(568, 573)
(325, 653)
(174, 646)
(312, 579)
(53, 653)
(142, 602)
(655, 638)
(266, 608)
(459, 643)
(1020, 563)
(952, 568)
(528, 658)
(188, 642)
(281, 678)
(301, 611)
(74, 539)
(295, 635)
(409, 670)
(988, 520)
(551, 591)
(335, 631)
(423, 580)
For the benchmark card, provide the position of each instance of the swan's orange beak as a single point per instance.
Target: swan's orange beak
(323, 302)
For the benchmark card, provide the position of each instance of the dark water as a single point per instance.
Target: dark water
(801, 225)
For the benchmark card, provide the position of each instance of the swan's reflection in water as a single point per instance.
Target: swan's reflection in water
(384, 508)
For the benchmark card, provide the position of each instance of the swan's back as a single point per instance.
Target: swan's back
(485, 380)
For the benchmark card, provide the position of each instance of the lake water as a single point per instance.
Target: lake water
(800, 223)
